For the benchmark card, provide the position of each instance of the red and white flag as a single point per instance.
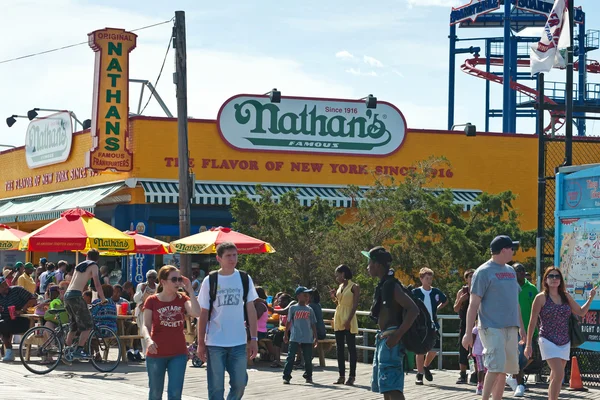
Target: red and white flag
(550, 51)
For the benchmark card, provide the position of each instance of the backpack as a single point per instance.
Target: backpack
(213, 278)
(422, 335)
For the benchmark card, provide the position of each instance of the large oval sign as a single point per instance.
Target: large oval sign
(311, 125)
(48, 140)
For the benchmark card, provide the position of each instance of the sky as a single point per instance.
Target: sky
(396, 50)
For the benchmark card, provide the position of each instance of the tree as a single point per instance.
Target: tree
(421, 227)
(297, 233)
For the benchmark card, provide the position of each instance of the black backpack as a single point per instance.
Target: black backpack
(422, 335)
(213, 278)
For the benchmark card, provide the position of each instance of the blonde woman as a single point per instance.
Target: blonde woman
(345, 324)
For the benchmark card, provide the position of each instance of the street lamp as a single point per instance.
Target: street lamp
(370, 101)
(31, 114)
(470, 129)
(274, 96)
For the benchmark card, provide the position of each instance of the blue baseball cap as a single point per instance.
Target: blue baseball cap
(43, 260)
(302, 289)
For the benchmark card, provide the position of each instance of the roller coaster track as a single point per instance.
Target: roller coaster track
(558, 120)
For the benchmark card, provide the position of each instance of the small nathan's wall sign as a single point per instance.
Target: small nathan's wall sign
(48, 140)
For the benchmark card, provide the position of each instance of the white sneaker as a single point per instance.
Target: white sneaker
(520, 391)
(8, 356)
(512, 382)
(478, 391)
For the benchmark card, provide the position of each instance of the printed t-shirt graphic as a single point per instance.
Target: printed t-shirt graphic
(168, 320)
(226, 327)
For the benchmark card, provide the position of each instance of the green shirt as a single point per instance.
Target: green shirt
(526, 298)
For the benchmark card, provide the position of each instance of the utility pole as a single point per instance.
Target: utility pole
(182, 135)
(569, 94)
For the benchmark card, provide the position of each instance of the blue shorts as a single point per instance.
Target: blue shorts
(388, 369)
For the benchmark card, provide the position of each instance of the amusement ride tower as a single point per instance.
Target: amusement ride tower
(511, 52)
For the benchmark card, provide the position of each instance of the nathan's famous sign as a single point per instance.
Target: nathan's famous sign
(311, 125)
(48, 140)
(110, 114)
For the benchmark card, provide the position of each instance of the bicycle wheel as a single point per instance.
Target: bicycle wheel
(104, 348)
(40, 350)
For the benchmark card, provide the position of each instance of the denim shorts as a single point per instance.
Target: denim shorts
(388, 369)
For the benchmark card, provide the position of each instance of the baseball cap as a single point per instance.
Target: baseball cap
(302, 289)
(502, 242)
(18, 265)
(6, 272)
(378, 254)
(29, 265)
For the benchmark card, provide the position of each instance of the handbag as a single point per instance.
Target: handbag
(575, 334)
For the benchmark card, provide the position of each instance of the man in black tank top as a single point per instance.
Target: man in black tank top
(390, 303)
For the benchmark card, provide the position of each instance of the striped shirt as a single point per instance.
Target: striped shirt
(16, 296)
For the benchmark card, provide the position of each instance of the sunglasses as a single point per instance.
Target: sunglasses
(176, 279)
(553, 276)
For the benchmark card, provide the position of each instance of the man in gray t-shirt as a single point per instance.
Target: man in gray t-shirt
(302, 325)
(495, 299)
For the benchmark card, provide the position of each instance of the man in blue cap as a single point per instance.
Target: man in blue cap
(495, 299)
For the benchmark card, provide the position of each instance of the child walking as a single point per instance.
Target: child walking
(302, 325)
(477, 352)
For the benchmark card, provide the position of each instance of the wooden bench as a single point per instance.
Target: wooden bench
(127, 340)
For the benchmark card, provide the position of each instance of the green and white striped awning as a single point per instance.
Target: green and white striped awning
(50, 206)
(220, 193)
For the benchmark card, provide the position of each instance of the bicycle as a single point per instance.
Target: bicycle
(42, 348)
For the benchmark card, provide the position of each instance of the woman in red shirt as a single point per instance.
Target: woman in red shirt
(163, 331)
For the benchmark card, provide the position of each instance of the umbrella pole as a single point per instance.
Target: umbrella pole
(76, 257)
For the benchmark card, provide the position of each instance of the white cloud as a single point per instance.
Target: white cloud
(434, 3)
(373, 62)
(64, 79)
(358, 72)
(344, 55)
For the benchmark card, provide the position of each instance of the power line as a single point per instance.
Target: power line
(75, 45)
(159, 74)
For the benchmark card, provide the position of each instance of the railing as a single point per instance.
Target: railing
(366, 332)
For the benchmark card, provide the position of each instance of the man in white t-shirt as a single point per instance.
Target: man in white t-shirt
(222, 333)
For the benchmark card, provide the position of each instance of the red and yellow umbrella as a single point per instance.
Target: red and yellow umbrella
(10, 237)
(207, 242)
(78, 230)
(143, 245)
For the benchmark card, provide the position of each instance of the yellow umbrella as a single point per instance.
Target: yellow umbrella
(207, 242)
(10, 237)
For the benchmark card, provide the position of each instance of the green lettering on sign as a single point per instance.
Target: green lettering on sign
(110, 95)
(112, 48)
(115, 128)
(113, 112)
(112, 144)
(114, 64)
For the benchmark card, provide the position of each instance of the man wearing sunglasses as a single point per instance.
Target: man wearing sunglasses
(495, 299)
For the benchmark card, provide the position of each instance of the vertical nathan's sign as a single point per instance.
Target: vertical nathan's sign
(110, 115)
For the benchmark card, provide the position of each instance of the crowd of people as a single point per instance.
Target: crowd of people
(498, 307)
